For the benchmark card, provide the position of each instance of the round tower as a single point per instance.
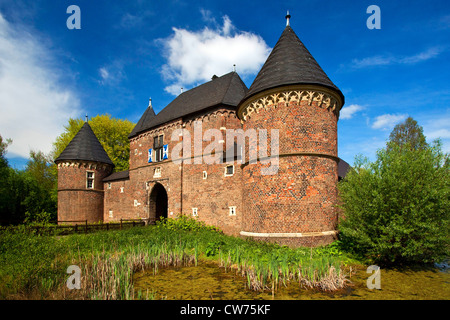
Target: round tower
(293, 96)
(81, 168)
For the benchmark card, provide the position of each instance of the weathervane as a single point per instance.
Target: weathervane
(288, 16)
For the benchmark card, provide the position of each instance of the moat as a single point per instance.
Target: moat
(209, 282)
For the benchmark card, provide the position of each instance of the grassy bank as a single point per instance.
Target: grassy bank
(33, 266)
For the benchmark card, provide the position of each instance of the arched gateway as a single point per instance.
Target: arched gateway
(157, 203)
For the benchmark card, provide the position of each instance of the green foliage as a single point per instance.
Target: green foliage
(408, 133)
(396, 208)
(34, 261)
(111, 132)
(185, 223)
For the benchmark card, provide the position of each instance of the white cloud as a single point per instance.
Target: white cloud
(112, 74)
(388, 121)
(104, 73)
(389, 60)
(33, 105)
(195, 56)
(349, 111)
(439, 133)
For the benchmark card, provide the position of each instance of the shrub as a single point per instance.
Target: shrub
(396, 208)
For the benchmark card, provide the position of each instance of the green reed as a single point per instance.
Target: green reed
(108, 259)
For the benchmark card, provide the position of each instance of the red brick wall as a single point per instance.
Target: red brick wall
(184, 183)
(75, 201)
(300, 198)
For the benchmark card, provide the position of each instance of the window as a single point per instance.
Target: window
(232, 210)
(205, 175)
(160, 150)
(158, 144)
(229, 170)
(121, 189)
(157, 172)
(109, 185)
(110, 213)
(90, 180)
(195, 212)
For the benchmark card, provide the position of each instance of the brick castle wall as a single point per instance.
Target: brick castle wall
(75, 200)
(301, 197)
(184, 183)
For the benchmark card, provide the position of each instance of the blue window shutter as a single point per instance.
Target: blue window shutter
(150, 154)
(165, 151)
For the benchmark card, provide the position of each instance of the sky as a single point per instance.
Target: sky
(129, 51)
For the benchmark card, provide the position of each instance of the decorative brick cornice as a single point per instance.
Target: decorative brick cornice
(323, 97)
(85, 164)
(181, 124)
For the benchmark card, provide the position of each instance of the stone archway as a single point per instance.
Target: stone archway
(158, 203)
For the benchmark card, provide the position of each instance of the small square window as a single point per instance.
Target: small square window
(229, 170)
(195, 212)
(109, 185)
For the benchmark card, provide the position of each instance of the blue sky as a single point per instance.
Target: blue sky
(129, 51)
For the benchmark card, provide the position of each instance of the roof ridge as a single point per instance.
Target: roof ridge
(199, 98)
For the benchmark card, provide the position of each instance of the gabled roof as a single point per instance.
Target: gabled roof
(290, 63)
(85, 146)
(226, 90)
(121, 175)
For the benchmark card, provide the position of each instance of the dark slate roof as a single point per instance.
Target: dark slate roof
(227, 90)
(85, 146)
(147, 117)
(122, 175)
(343, 168)
(290, 63)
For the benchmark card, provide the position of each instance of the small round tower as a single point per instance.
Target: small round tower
(292, 95)
(81, 168)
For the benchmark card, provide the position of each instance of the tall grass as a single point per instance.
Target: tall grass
(33, 266)
(268, 267)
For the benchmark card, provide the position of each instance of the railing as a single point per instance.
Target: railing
(82, 226)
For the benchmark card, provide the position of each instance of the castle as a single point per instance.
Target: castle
(292, 106)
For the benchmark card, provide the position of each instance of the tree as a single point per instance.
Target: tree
(396, 208)
(26, 194)
(41, 182)
(111, 132)
(408, 132)
(3, 147)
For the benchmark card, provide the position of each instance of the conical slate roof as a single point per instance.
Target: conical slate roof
(228, 90)
(290, 63)
(147, 117)
(85, 146)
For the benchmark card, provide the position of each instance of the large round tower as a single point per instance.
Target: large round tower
(81, 168)
(293, 96)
